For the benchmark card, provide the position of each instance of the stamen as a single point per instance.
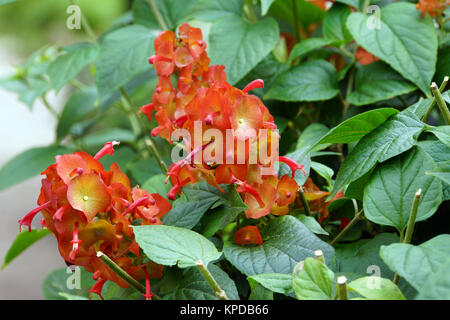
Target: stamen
(245, 187)
(75, 243)
(255, 84)
(294, 166)
(97, 288)
(59, 213)
(148, 293)
(107, 149)
(140, 202)
(26, 221)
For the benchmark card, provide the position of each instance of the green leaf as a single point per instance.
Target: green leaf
(442, 172)
(384, 290)
(307, 13)
(276, 282)
(156, 185)
(311, 224)
(225, 214)
(312, 280)
(353, 129)
(67, 66)
(76, 108)
(22, 242)
(102, 136)
(259, 292)
(308, 45)
(334, 23)
(240, 45)
(311, 135)
(323, 171)
(393, 137)
(389, 195)
(404, 40)
(186, 214)
(442, 133)
(311, 81)
(169, 245)
(69, 296)
(212, 10)
(286, 242)
(420, 107)
(361, 257)
(437, 286)
(376, 82)
(193, 285)
(265, 5)
(28, 164)
(123, 55)
(417, 264)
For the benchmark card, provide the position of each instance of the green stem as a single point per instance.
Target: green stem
(158, 15)
(318, 254)
(441, 102)
(347, 228)
(304, 202)
(218, 291)
(127, 104)
(123, 274)
(342, 288)
(346, 103)
(156, 154)
(433, 103)
(412, 217)
(296, 26)
(86, 26)
(78, 84)
(49, 107)
(365, 6)
(248, 9)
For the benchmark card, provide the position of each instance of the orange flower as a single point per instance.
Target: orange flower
(364, 57)
(248, 235)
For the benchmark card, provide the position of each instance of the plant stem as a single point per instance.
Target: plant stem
(49, 107)
(365, 6)
(318, 254)
(346, 103)
(347, 227)
(123, 274)
(86, 26)
(441, 102)
(156, 154)
(410, 227)
(158, 15)
(412, 217)
(248, 9)
(304, 202)
(218, 291)
(127, 104)
(296, 26)
(433, 103)
(342, 288)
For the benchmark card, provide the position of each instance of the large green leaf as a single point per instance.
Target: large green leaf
(389, 195)
(286, 242)
(312, 280)
(312, 224)
(385, 289)
(437, 286)
(311, 135)
(193, 285)
(311, 81)
(376, 82)
(308, 45)
(240, 45)
(306, 13)
(276, 282)
(442, 133)
(123, 55)
(417, 264)
(353, 129)
(334, 23)
(420, 107)
(393, 137)
(28, 164)
(23, 241)
(442, 172)
(404, 40)
(79, 105)
(67, 66)
(169, 245)
(187, 213)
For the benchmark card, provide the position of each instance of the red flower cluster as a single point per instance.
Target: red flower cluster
(205, 106)
(432, 7)
(89, 209)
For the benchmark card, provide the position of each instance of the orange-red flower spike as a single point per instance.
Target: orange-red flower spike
(294, 166)
(26, 221)
(255, 84)
(108, 148)
(97, 288)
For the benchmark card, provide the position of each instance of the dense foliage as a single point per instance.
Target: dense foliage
(340, 94)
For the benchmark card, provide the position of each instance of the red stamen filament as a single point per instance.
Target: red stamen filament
(97, 288)
(108, 148)
(255, 84)
(75, 243)
(30, 216)
(294, 166)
